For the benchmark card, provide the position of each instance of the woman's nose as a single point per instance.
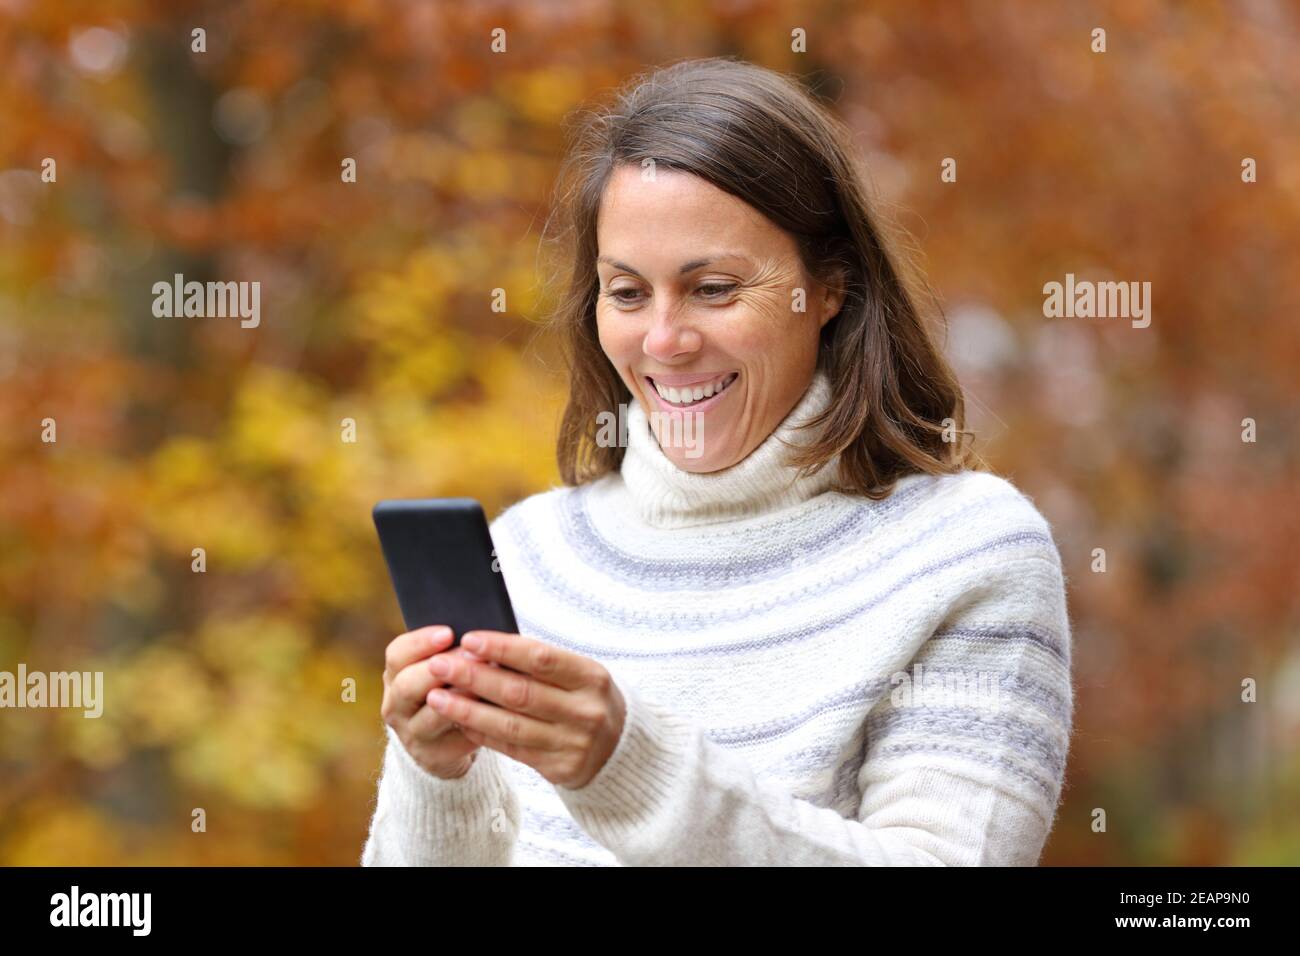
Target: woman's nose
(670, 335)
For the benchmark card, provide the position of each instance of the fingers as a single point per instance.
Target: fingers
(536, 658)
(514, 691)
(433, 748)
(503, 725)
(427, 726)
(431, 739)
(406, 649)
(411, 686)
(533, 758)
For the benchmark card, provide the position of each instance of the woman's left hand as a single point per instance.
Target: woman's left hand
(558, 712)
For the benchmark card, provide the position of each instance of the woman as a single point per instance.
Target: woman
(788, 623)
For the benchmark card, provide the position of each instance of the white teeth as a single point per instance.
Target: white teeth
(694, 393)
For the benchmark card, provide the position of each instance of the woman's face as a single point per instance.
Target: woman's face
(698, 299)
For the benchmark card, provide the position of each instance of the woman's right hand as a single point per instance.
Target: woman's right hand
(434, 742)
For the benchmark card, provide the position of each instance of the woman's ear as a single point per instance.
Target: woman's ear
(832, 293)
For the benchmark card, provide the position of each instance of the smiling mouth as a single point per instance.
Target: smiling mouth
(689, 395)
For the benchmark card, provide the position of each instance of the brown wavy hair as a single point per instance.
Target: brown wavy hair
(760, 136)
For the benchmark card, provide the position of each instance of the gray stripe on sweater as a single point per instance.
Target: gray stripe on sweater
(562, 828)
(565, 859)
(1049, 702)
(671, 574)
(1048, 788)
(1022, 736)
(843, 788)
(1048, 640)
(680, 621)
(869, 693)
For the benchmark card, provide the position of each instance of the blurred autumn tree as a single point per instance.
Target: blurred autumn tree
(176, 434)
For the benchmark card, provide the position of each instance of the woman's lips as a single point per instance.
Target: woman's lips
(702, 405)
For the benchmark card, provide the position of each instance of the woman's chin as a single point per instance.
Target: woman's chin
(695, 460)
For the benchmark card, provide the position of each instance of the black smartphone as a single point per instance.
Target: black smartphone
(443, 566)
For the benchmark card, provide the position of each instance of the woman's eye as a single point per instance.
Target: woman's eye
(713, 290)
(709, 290)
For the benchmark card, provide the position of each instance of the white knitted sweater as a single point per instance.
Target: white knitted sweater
(764, 633)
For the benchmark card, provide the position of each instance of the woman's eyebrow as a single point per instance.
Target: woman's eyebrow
(687, 267)
(697, 263)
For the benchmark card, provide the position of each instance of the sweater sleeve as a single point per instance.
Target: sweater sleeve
(424, 820)
(939, 784)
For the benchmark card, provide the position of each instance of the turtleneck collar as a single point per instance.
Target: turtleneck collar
(666, 496)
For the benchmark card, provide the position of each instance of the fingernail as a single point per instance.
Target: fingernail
(438, 698)
(472, 641)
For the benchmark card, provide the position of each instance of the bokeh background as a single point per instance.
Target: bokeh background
(223, 688)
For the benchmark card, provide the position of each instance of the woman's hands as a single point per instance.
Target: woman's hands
(433, 741)
(560, 713)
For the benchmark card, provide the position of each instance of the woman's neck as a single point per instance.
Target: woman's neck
(666, 496)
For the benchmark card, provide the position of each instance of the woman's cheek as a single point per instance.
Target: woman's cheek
(608, 336)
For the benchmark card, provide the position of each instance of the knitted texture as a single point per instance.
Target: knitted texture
(811, 678)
